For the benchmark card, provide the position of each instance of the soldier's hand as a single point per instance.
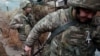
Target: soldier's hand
(27, 50)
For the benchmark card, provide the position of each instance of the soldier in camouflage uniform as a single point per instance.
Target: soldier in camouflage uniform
(78, 40)
(23, 21)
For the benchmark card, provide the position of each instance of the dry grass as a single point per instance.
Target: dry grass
(4, 24)
(2, 50)
(4, 29)
(7, 33)
(12, 34)
(14, 39)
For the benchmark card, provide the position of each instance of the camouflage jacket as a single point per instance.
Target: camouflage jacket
(47, 24)
(23, 24)
(65, 45)
(78, 40)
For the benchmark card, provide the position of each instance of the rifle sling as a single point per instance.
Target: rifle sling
(60, 30)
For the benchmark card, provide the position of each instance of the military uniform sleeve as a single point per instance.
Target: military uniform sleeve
(47, 24)
(16, 23)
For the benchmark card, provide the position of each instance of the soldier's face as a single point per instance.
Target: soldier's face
(85, 15)
(28, 9)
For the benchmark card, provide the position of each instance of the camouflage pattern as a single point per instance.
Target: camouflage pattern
(75, 42)
(48, 23)
(72, 42)
(90, 4)
(78, 40)
(23, 24)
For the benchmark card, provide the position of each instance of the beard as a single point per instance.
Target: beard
(84, 20)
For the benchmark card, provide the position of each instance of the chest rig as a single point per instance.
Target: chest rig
(77, 40)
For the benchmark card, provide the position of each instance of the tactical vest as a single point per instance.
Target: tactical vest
(77, 41)
(24, 31)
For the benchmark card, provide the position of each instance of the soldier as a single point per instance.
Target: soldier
(77, 40)
(23, 21)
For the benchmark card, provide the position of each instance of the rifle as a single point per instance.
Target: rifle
(54, 33)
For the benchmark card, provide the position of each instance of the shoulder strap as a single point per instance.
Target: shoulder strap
(60, 30)
(28, 20)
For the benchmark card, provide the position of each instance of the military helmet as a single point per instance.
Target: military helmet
(24, 4)
(89, 4)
